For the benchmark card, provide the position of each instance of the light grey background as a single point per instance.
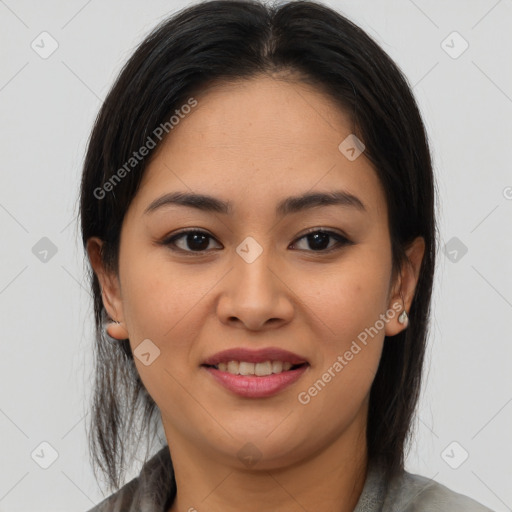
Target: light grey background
(47, 109)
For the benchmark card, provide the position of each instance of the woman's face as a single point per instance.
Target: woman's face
(252, 280)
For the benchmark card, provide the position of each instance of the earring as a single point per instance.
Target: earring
(403, 318)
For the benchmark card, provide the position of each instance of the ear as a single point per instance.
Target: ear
(404, 286)
(110, 290)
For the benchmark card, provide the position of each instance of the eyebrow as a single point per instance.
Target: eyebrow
(285, 207)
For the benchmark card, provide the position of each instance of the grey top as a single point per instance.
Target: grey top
(154, 490)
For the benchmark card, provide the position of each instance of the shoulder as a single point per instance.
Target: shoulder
(152, 491)
(120, 501)
(416, 493)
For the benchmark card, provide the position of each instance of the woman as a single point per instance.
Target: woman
(257, 206)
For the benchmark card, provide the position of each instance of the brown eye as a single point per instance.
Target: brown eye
(318, 240)
(193, 241)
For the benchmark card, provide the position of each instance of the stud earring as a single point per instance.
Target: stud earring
(403, 318)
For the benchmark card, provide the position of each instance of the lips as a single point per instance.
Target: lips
(255, 373)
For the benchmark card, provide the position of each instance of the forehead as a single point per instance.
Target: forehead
(248, 116)
(262, 138)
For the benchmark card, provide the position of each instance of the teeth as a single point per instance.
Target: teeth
(246, 368)
(277, 366)
(233, 367)
(259, 369)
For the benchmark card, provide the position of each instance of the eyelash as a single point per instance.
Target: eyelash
(342, 241)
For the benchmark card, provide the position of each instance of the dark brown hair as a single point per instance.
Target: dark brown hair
(232, 40)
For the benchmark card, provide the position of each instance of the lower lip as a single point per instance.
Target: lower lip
(256, 387)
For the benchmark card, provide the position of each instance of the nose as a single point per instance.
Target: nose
(255, 295)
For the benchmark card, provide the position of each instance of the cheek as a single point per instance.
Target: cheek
(159, 296)
(347, 359)
(350, 296)
(163, 304)
(348, 304)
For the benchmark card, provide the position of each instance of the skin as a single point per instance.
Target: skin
(255, 142)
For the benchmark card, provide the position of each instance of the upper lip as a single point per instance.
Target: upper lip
(254, 356)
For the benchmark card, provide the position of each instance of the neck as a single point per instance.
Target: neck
(331, 480)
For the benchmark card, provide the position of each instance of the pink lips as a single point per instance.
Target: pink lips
(250, 386)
